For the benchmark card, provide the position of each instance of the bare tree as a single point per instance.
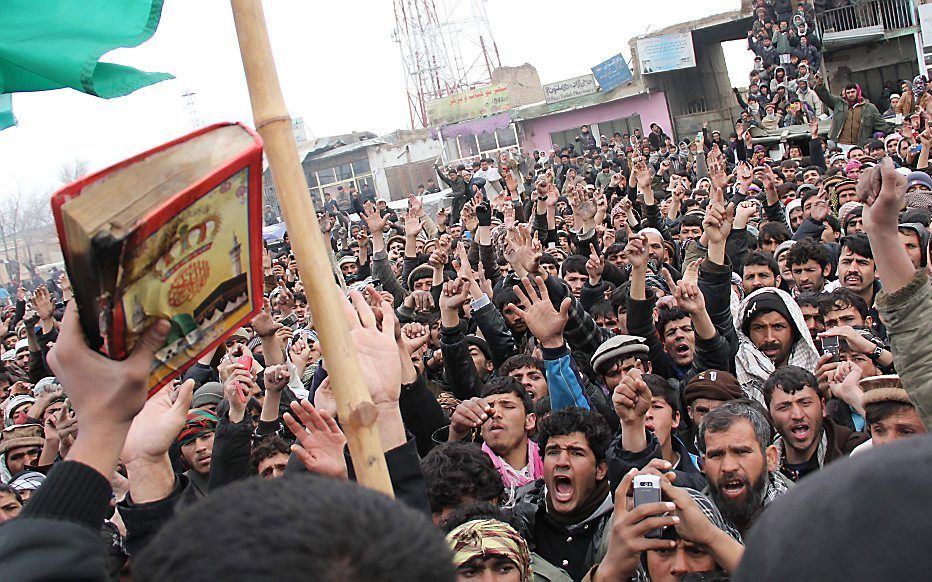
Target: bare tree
(69, 172)
(24, 218)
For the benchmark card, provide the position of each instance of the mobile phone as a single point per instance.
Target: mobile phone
(290, 321)
(647, 490)
(830, 346)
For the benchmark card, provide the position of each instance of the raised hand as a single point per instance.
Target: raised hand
(455, 294)
(543, 321)
(883, 191)
(157, 425)
(691, 273)
(522, 251)
(376, 348)
(416, 205)
(320, 441)
(42, 301)
(631, 398)
(717, 222)
(375, 221)
(300, 354)
(636, 252)
(468, 217)
(641, 174)
(819, 210)
(688, 297)
(744, 213)
(469, 414)
(413, 225)
(414, 336)
(629, 526)
(595, 266)
(275, 378)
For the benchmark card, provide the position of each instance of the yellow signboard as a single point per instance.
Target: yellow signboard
(479, 102)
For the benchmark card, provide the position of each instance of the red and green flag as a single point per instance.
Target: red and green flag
(53, 44)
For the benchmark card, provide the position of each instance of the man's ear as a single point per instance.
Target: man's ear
(530, 422)
(826, 270)
(773, 457)
(601, 470)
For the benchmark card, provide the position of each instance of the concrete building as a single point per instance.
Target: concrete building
(871, 43)
(391, 165)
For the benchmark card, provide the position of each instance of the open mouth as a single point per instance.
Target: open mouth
(733, 488)
(853, 279)
(681, 349)
(562, 488)
(800, 431)
(771, 351)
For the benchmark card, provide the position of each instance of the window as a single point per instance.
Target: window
(344, 172)
(311, 178)
(506, 137)
(487, 142)
(468, 146)
(451, 149)
(361, 167)
(565, 138)
(365, 180)
(326, 176)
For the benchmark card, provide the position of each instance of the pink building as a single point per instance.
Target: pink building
(544, 125)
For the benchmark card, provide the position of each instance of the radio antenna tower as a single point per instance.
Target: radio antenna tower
(446, 47)
(190, 106)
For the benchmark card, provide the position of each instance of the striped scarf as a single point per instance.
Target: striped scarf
(486, 538)
(512, 477)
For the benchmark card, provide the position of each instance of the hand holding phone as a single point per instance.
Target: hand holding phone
(647, 490)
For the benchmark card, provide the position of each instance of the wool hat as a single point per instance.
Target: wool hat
(347, 260)
(474, 340)
(920, 178)
(21, 345)
(209, 393)
(764, 302)
(847, 212)
(424, 271)
(618, 346)
(887, 388)
(714, 385)
(21, 435)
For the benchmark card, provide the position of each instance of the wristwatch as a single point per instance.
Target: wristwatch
(875, 355)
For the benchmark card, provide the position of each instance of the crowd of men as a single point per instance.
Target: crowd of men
(619, 306)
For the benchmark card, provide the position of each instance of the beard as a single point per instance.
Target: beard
(740, 511)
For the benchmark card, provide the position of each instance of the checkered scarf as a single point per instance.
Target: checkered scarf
(487, 538)
(198, 423)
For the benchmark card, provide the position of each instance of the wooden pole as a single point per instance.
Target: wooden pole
(354, 405)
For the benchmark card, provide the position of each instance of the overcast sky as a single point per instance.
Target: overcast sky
(338, 66)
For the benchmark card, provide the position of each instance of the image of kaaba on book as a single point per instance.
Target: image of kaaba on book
(187, 259)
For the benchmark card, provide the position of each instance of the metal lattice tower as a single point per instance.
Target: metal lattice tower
(190, 106)
(446, 47)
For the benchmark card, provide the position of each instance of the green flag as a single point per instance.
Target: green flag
(6, 112)
(52, 44)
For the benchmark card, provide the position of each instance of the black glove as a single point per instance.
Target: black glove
(484, 214)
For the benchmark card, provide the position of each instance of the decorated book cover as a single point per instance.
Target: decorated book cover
(183, 243)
